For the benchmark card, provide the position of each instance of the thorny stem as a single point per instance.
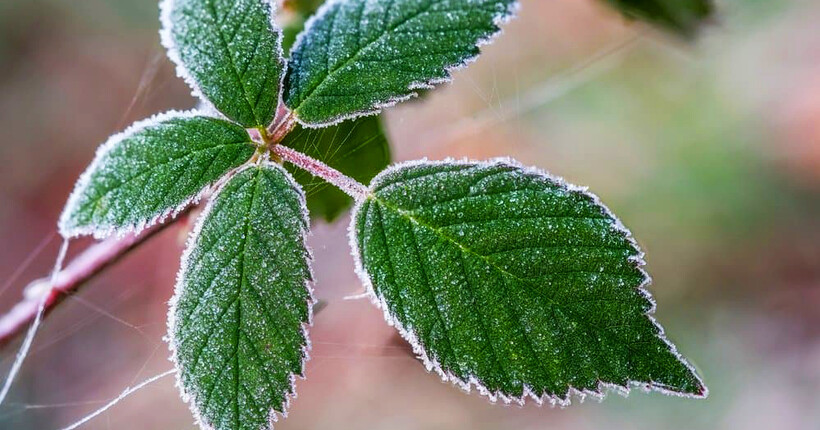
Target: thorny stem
(345, 183)
(80, 270)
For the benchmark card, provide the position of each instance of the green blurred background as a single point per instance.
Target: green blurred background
(709, 151)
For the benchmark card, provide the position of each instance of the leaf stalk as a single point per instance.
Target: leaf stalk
(345, 183)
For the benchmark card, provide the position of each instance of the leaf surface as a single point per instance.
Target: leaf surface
(151, 170)
(513, 281)
(229, 52)
(238, 322)
(358, 149)
(357, 56)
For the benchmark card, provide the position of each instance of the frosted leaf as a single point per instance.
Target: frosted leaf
(357, 56)
(152, 170)
(238, 320)
(358, 149)
(230, 52)
(510, 280)
(683, 17)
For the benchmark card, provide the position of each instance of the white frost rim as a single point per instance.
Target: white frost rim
(474, 382)
(166, 38)
(100, 231)
(190, 397)
(426, 84)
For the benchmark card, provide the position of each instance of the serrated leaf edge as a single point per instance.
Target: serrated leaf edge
(432, 365)
(498, 21)
(188, 397)
(102, 231)
(167, 41)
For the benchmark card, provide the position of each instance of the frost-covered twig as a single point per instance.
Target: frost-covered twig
(81, 269)
(347, 184)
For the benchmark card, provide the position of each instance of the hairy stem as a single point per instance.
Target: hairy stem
(345, 183)
(80, 270)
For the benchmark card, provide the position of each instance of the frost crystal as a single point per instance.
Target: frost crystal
(510, 280)
(238, 320)
(229, 52)
(152, 170)
(357, 56)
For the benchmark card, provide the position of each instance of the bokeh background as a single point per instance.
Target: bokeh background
(709, 152)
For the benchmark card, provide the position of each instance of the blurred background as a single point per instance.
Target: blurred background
(709, 152)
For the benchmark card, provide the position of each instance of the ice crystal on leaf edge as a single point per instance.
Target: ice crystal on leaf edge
(499, 20)
(473, 382)
(188, 397)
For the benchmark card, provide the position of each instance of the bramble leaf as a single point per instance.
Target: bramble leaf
(229, 52)
(358, 149)
(151, 170)
(239, 317)
(683, 17)
(513, 281)
(358, 56)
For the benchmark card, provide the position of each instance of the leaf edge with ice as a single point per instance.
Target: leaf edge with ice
(99, 230)
(190, 397)
(473, 382)
(411, 89)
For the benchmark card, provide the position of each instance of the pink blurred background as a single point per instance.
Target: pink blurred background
(709, 152)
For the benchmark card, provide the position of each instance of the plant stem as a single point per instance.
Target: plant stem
(80, 270)
(345, 183)
(99, 256)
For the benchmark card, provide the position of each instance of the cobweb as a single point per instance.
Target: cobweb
(499, 110)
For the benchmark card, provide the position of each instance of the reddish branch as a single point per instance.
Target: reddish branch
(101, 255)
(80, 270)
(347, 184)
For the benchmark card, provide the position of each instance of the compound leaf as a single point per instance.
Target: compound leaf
(238, 321)
(683, 17)
(513, 281)
(229, 52)
(357, 56)
(151, 170)
(357, 148)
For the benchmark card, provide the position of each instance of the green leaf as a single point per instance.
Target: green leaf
(513, 281)
(304, 7)
(239, 317)
(358, 56)
(683, 17)
(229, 52)
(358, 149)
(152, 170)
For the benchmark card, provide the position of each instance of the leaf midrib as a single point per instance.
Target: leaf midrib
(148, 170)
(466, 249)
(413, 219)
(214, 15)
(409, 216)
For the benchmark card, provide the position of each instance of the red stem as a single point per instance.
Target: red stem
(85, 266)
(347, 184)
(99, 256)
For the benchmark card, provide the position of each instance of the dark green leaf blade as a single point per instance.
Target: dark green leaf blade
(239, 317)
(683, 17)
(513, 281)
(358, 56)
(358, 149)
(229, 52)
(152, 170)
